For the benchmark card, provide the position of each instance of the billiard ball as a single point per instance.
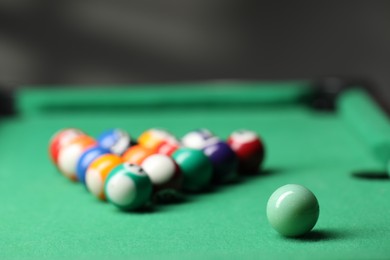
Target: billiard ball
(70, 154)
(168, 147)
(98, 171)
(136, 154)
(128, 187)
(195, 167)
(249, 149)
(164, 174)
(60, 139)
(116, 140)
(224, 161)
(152, 138)
(198, 139)
(86, 159)
(292, 210)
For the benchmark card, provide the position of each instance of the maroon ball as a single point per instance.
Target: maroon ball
(165, 176)
(249, 149)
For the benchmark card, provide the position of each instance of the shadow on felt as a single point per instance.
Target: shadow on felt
(320, 235)
(371, 175)
(148, 209)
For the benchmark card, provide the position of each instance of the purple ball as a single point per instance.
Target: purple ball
(224, 161)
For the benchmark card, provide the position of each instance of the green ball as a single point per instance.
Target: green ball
(292, 210)
(128, 187)
(196, 168)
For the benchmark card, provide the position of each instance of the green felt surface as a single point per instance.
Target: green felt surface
(43, 214)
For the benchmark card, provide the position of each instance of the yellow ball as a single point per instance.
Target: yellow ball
(153, 138)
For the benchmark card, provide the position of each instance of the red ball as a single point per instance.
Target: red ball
(249, 149)
(168, 147)
(60, 139)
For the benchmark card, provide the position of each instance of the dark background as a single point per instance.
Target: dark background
(95, 42)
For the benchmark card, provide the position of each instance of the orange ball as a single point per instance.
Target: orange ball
(98, 171)
(153, 138)
(136, 154)
(70, 154)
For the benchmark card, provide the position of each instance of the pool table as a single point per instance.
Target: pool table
(340, 154)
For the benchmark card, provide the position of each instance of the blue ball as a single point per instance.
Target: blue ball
(116, 140)
(86, 159)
